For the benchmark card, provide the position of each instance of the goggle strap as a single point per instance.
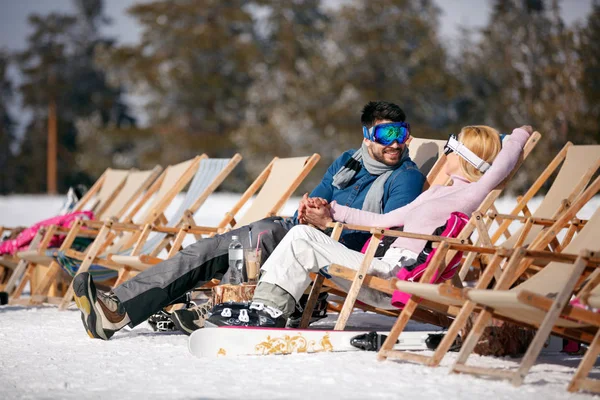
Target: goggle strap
(467, 154)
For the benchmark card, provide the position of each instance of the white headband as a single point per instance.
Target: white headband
(463, 151)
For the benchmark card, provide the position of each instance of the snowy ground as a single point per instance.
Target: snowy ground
(45, 354)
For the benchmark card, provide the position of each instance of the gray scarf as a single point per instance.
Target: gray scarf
(374, 196)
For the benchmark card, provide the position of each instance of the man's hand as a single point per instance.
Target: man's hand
(528, 129)
(302, 208)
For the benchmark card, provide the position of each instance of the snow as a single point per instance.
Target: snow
(45, 354)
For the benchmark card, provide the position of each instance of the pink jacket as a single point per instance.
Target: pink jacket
(25, 237)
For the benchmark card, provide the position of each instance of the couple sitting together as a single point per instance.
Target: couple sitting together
(377, 185)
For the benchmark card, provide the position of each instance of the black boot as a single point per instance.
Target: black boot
(371, 341)
(318, 313)
(245, 314)
(3, 298)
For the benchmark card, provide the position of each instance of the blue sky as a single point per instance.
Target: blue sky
(14, 27)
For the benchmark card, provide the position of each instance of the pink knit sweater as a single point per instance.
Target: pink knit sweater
(433, 207)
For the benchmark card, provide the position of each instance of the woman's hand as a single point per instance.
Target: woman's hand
(528, 129)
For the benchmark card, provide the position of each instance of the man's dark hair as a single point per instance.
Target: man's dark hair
(380, 110)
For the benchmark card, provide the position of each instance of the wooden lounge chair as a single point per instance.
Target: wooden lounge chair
(358, 277)
(541, 301)
(445, 298)
(163, 191)
(118, 192)
(279, 181)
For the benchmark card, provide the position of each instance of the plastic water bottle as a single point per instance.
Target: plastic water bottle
(236, 261)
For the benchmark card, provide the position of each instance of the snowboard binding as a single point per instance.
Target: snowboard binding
(371, 341)
(433, 341)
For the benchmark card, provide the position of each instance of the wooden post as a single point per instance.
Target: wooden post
(52, 146)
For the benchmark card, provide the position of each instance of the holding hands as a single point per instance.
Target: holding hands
(314, 211)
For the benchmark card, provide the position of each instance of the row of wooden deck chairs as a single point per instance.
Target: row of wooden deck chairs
(527, 277)
(131, 225)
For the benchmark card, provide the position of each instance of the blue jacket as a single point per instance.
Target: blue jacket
(401, 188)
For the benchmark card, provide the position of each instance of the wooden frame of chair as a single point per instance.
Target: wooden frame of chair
(377, 235)
(581, 379)
(454, 297)
(117, 202)
(553, 308)
(183, 173)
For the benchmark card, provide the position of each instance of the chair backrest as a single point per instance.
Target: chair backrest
(175, 179)
(210, 175)
(580, 161)
(429, 156)
(553, 276)
(102, 192)
(284, 176)
(135, 184)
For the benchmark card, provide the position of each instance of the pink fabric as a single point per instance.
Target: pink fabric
(453, 227)
(432, 208)
(25, 237)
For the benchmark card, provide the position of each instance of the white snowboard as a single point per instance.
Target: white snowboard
(235, 341)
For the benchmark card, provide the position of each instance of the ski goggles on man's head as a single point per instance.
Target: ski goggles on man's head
(386, 134)
(453, 145)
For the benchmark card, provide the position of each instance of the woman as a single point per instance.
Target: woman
(305, 249)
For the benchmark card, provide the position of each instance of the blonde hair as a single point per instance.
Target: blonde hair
(481, 140)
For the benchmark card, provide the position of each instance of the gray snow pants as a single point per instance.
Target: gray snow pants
(159, 286)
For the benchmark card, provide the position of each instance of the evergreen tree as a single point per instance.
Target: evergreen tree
(525, 70)
(6, 128)
(588, 120)
(58, 66)
(193, 66)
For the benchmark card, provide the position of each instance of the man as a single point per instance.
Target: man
(377, 178)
